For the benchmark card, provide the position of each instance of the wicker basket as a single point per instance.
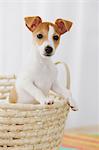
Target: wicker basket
(28, 126)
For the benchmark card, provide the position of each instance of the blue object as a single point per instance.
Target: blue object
(62, 148)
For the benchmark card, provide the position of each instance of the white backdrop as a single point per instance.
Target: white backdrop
(78, 48)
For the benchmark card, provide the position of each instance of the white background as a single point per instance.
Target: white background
(79, 48)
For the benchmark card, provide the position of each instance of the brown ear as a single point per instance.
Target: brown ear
(32, 22)
(63, 25)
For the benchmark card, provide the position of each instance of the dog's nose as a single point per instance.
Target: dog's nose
(48, 49)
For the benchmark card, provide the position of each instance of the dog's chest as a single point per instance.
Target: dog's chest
(44, 77)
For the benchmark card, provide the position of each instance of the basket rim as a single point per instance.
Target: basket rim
(31, 107)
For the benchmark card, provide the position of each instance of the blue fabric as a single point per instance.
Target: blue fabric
(62, 148)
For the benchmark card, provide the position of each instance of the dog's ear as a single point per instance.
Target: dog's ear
(63, 25)
(32, 22)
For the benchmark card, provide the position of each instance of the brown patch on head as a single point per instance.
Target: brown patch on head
(43, 29)
(56, 42)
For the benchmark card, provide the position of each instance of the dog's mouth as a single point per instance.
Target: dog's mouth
(48, 55)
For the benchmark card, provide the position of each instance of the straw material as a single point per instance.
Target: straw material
(28, 126)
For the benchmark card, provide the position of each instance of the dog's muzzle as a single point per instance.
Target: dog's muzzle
(48, 51)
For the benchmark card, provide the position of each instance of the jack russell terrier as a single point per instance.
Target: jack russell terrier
(39, 74)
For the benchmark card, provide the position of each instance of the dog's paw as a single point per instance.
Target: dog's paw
(72, 104)
(47, 101)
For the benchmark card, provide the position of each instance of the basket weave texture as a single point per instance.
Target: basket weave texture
(28, 126)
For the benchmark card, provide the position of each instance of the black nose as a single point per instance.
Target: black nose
(48, 49)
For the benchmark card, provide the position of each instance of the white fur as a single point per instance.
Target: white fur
(38, 76)
(50, 35)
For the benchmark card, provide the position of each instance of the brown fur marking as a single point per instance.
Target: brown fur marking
(43, 29)
(13, 96)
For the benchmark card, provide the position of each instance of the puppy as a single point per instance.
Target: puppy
(39, 74)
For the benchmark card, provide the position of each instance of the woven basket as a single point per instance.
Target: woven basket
(28, 126)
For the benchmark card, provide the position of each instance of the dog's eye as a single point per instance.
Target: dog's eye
(40, 36)
(56, 37)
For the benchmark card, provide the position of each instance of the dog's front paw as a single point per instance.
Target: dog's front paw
(72, 104)
(47, 101)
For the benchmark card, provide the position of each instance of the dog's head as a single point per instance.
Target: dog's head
(47, 35)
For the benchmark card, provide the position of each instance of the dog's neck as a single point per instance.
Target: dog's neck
(41, 58)
(35, 57)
